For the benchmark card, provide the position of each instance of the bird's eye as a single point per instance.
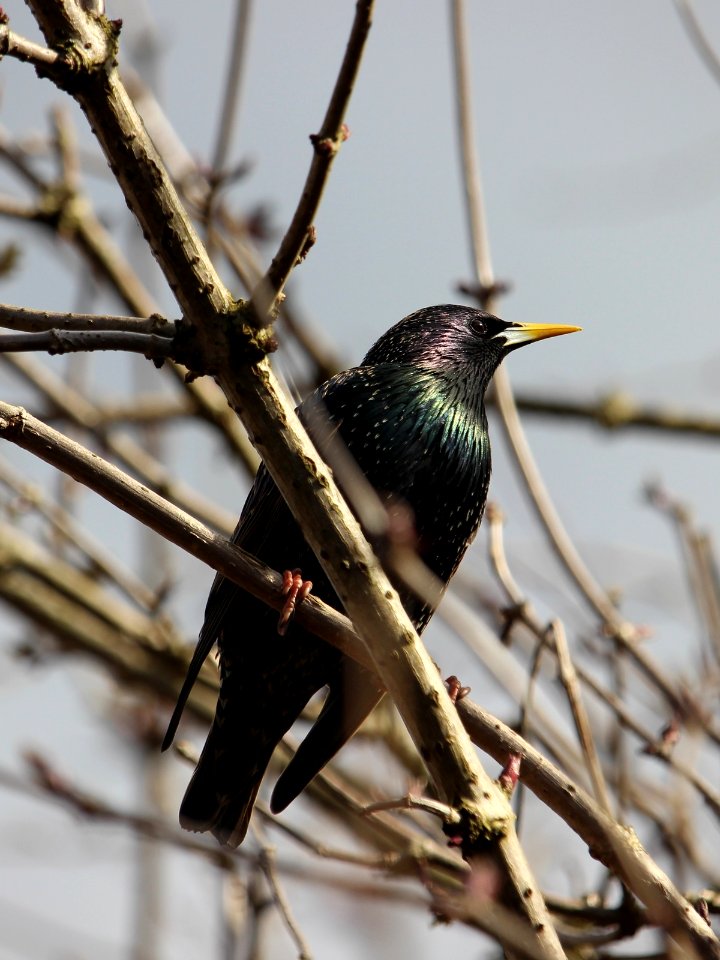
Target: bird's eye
(478, 326)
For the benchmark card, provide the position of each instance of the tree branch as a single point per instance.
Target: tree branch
(150, 345)
(42, 321)
(21, 428)
(326, 145)
(82, 413)
(613, 844)
(617, 411)
(13, 45)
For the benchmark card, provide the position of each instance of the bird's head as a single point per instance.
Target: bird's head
(457, 340)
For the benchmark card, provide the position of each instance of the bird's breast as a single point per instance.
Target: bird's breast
(425, 444)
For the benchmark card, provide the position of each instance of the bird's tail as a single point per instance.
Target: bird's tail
(221, 793)
(352, 697)
(250, 720)
(245, 732)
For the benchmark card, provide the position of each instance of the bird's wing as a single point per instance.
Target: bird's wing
(354, 692)
(263, 516)
(262, 503)
(252, 530)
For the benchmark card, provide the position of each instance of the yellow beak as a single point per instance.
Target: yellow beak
(519, 333)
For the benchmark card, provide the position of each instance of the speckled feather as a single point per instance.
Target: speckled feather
(412, 417)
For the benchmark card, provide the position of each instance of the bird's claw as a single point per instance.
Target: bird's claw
(510, 773)
(295, 590)
(455, 689)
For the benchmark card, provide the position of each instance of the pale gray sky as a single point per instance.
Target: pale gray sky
(598, 130)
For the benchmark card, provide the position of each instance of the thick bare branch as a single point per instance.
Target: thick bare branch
(18, 426)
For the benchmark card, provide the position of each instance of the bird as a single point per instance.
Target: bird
(412, 418)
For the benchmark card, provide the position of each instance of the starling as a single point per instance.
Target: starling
(412, 418)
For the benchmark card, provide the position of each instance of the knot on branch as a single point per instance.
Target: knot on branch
(62, 209)
(94, 53)
(230, 342)
(12, 420)
(485, 292)
(473, 833)
(616, 409)
(249, 343)
(308, 243)
(328, 146)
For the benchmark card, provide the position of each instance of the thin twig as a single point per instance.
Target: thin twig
(66, 147)
(13, 45)
(100, 558)
(618, 411)
(81, 412)
(231, 98)
(526, 720)
(269, 869)
(384, 861)
(41, 321)
(20, 210)
(410, 802)
(471, 180)
(54, 342)
(618, 743)
(326, 144)
(143, 408)
(697, 36)
(569, 679)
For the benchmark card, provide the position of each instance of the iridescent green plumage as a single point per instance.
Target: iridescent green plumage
(412, 417)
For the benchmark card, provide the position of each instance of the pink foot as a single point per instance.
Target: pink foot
(295, 590)
(455, 689)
